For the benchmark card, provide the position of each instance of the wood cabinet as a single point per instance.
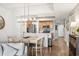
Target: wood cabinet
(72, 45)
(29, 24)
(43, 24)
(77, 46)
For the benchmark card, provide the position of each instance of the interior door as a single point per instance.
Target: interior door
(60, 30)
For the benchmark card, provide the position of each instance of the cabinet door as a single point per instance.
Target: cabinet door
(77, 46)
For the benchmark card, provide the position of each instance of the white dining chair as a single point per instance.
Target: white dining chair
(39, 47)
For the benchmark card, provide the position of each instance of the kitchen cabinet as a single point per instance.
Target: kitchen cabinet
(72, 45)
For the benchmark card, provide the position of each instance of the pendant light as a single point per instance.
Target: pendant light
(24, 19)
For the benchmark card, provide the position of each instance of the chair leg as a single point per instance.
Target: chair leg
(28, 48)
(40, 50)
(32, 51)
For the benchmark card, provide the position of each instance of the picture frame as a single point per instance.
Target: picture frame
(2, 22)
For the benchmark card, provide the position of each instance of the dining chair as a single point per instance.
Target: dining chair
(39, 47)
(11, 38)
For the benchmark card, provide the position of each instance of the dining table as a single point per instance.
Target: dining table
(28, 40)
(34, 40)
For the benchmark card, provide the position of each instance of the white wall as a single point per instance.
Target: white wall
(9, 24)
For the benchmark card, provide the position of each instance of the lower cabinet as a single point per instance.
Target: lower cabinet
(77, 48)
(72, 45)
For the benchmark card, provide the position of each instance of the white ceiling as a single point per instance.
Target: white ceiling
(54, 9)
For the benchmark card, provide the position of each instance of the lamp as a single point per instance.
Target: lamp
(73, 24)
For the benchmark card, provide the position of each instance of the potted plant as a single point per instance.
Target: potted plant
(78, 30)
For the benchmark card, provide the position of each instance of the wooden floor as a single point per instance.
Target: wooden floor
(59, 48)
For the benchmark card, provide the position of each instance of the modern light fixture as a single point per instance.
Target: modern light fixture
(25, 12)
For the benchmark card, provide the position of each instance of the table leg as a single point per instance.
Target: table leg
(28, 48)
(36, 48)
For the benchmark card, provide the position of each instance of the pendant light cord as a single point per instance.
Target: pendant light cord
(28, 11)
(24, 11)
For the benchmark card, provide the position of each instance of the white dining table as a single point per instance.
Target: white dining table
(27, 40)
(35, 41)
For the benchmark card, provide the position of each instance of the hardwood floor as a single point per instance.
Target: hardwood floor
(59, 48)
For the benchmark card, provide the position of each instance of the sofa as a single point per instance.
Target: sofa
(13, 49)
